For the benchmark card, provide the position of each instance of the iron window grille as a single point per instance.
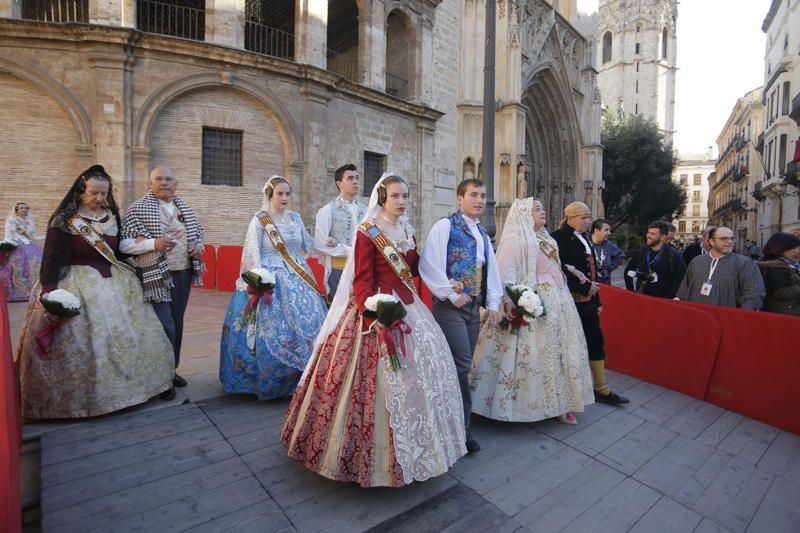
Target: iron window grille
(374, 167)
(222, 157)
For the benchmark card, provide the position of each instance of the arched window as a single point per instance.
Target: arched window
(399, 56)
(343, 38)
(664, 36)
(607, 47)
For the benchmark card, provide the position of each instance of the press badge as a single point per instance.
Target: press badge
(705, 290)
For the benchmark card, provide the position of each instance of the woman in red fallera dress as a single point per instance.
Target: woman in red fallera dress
(353, 417)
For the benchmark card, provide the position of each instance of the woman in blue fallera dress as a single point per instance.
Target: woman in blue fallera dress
(267, 358)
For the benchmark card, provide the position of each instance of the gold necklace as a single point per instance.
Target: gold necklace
(395, 224)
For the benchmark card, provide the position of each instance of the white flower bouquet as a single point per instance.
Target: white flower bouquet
(390, 312)
(260, 287)
(527, 306)
(59, 304)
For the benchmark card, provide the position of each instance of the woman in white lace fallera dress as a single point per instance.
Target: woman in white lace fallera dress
(542, 372)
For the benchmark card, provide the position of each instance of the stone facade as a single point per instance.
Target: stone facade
(76, 94)
(637, 52)
(691, 174)
(779, 209)
(738, 170)
(547, 137)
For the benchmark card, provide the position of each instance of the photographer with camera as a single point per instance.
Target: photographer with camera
(656, 269)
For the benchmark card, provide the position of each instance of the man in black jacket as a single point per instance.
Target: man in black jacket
(656, 269)
(579, 265)
(700, 247)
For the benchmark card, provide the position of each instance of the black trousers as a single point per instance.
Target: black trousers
(171, 313)
(590, 320)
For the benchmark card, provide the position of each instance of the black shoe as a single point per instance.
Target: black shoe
(179, 381)
(473, 446)
(167, 395)
(611, 398)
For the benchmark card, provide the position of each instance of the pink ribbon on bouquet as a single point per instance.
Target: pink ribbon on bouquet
(387, 336)
(45, 337)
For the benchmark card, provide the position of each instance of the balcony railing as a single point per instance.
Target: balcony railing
(56, 10)
(794, 114)
(792, 175)
(167, 18)
(758, 192)
(396, 86)
(731, 205)
(344, 64)
(268, 41)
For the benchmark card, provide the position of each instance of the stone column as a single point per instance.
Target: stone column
(140, 157)
(10, 9)
(315, 143)
(372, 35)
(423, 196)
(113, 12)
(110, 112)
(423, 82)
(225, 22)
(311, 32)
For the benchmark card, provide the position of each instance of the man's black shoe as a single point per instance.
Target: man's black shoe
(473, 446)
(610, 398)
(167, 395)
(179, 381)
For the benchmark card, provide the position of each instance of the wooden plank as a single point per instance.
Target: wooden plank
(720, 429)
(779, 511)
(728, 494)
(639, 446)
(113, 508)
(598, 436)
(569, 500)
(663, 407)
(261, 517)
(642, 393)
(694, 419)
(434, 514)
(619, 382)
(524, 490)
(120, 439)
(617, 511)
(783, 456)
(559, 431)
(57, 496)
(258, 439)
(709, 526)
(667, 516)
(239, 414)
(363, 509)
(113, 459)
(502, 468)
(267, 458)
(670, 469)
(749, 440)
(113, 423)
(195, 509)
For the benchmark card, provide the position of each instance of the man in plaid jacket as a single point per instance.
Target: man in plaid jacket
(167, 240)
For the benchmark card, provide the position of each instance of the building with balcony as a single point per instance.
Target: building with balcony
(228, 93)
(780, 208)
(691, 174)
(738, 169)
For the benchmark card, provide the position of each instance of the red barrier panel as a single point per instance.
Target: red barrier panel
(10, 436)
(757, 366)
(660, 341)
(229, 260)
(210, 260)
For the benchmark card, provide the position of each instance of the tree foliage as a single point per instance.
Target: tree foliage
(637, 170)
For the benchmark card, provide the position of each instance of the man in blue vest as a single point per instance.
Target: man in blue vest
(459, 267)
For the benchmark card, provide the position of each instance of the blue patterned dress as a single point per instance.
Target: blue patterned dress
(285, 330)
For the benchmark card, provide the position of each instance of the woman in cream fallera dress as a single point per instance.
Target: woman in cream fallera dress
(543, 372)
